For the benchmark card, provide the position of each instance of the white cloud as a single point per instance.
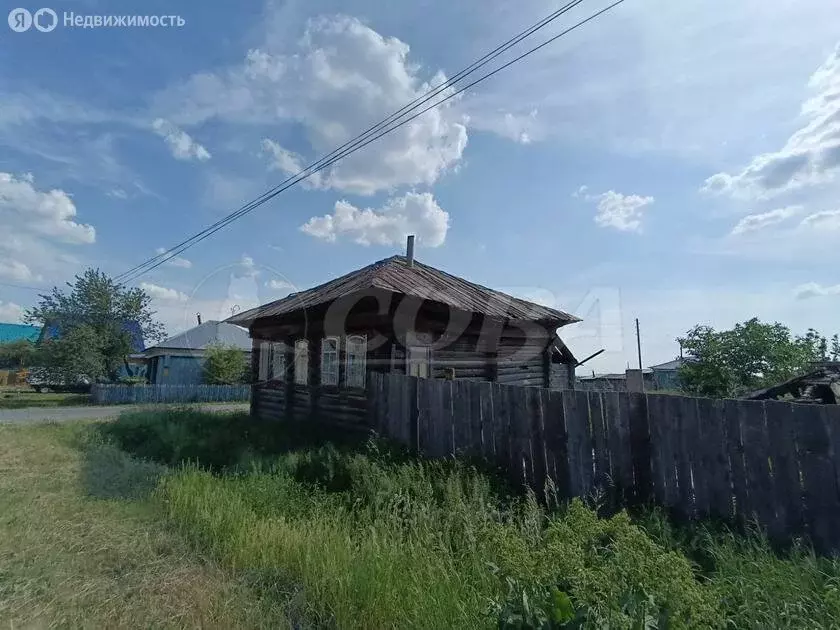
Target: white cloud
(760, 221)
(157, 292)
(339, 78)
(814, 289)
(617, 210)
(279, 285)
(413, 213)
(827, 220)
(182, 146)
(521, 127)
(48, 214)
(810, 156)
(10, 312)
(16, 271)
(175, 261)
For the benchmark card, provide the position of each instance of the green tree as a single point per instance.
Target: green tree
(16, 354)
(224, 365)
(750, 356)
(79, 351)
(90, 317)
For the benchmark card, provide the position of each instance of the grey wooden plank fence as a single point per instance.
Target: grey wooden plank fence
(140, 394)
(770, 462)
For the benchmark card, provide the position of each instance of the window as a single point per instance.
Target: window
(356, 361)
(329, 361)
(278, 361)
(265, 360)
(302, 362)
(418, 361)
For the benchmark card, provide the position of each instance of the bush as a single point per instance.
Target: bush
(349, 535)
(224, 365)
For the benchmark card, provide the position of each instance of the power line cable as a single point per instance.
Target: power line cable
(129, 276)
(373, 129)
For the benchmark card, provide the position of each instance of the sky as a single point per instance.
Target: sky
(672, 162)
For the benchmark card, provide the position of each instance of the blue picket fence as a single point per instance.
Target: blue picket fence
(142, 394)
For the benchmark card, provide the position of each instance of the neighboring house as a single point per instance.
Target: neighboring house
(603, 382)
(403, 317)
(18, 332)
(180, 359)
(821, 385)
(666, 375)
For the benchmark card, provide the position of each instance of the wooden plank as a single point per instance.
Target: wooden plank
(714, 459)
(520, 460)
(536, 409)
(787, 486)
(757, 462)
(488, 446)
(821, 492)
(640, 447)
(501, 427)
(603, 473)
(617, 415)
(425, 422)
(554, 422)
(678, 427)
(695, 493)
(461, 416)
(663, 473)
(581, 471)
(734, 443)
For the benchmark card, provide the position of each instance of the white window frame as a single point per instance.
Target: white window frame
(328, 378)
(361, 362)
(278, 361)
(302, 355)
(265, 361)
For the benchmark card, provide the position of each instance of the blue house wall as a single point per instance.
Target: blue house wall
(176, 370)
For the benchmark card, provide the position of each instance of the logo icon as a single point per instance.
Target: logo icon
(20, 20)
(45, 20)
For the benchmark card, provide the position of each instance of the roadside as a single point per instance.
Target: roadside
(89, 412)
(21, 397)
(81, 546)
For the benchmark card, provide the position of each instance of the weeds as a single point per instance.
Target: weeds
(361, 535)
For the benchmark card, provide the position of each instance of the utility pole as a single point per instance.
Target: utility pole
(638, 343)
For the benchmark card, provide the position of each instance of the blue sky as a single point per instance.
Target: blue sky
(672, 162)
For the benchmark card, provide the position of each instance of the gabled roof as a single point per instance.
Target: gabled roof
(205, 334)
(16, 332)
(419, 281)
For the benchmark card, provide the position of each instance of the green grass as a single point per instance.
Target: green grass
(224, 521)
(353, 536)
(22, 397)
(81, 545)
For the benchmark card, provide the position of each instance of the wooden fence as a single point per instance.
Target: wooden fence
(140, 394)
(771, 462)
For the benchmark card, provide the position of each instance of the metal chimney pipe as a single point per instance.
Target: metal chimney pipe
(198, 316)
(409, 250)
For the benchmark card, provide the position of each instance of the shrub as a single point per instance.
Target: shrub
(224, 365)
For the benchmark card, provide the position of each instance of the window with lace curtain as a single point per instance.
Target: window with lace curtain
(356, 361)
(329, 361)
(302, 362)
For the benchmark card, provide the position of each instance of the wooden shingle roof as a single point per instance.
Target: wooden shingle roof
(419, 281)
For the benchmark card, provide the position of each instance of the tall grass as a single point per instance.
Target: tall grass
(365, 537)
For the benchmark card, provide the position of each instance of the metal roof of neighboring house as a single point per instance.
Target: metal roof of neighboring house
(669, 365)
(205, 334)
(420, 281)
(16, 332)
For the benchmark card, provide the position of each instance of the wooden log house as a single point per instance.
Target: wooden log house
(312, 350)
